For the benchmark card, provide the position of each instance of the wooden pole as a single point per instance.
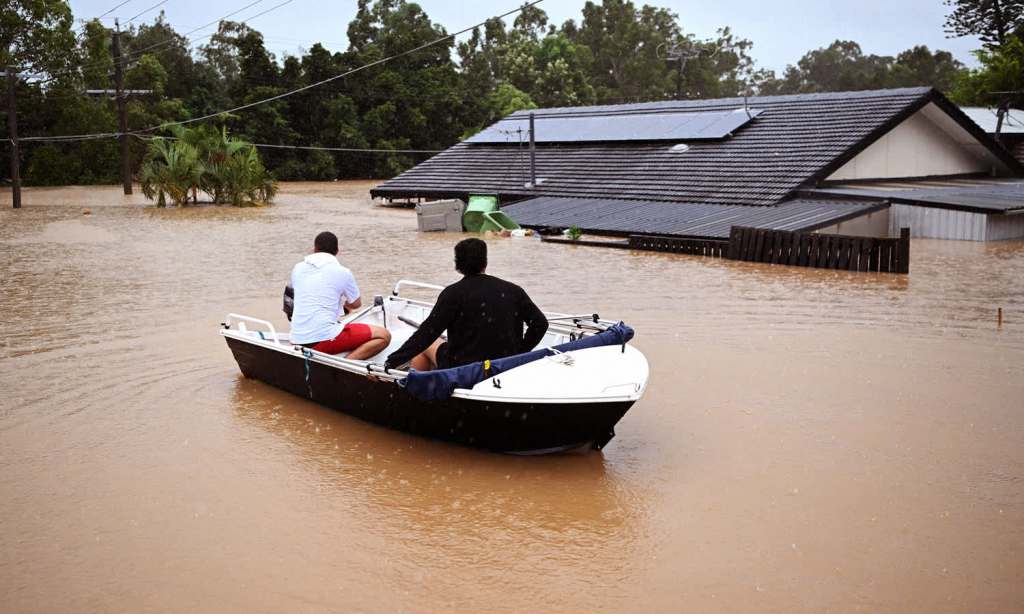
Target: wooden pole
(12, 134)
(903, 249)
(122, 112)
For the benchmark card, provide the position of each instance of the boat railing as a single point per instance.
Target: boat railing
(414, 284)
(241, 320)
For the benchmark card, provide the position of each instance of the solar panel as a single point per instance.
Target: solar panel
(675, 126)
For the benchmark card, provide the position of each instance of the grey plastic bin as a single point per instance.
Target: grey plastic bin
(440, 215)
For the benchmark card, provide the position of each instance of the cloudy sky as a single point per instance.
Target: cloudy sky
(781, 30)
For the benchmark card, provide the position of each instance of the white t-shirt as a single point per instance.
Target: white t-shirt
(321, 286)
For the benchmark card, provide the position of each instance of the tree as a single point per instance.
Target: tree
(171, 170)
(842, 66)
(919, 66)
(162, 43)
(97, 58)
(208, 160)
(411, 102)
(990, 20)
(1002, 70)
(628, 47)
(36, 35)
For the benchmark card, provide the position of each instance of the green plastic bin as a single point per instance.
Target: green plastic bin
(498, 221)
(477, 207)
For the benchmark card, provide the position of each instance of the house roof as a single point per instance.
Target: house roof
(683, 219)
(978, 195)
(795, 141)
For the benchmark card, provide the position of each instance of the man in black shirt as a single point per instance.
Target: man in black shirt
(484, 317)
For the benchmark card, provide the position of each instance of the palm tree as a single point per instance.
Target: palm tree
(171, 169)
(229, 170)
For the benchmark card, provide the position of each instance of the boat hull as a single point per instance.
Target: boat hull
(509, 427)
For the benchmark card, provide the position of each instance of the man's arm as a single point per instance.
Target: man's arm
(350, 290)
(440, 318)
(536, 323)
(350, 307)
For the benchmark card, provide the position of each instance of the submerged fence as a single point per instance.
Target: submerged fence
(714, 248)
(842, 252)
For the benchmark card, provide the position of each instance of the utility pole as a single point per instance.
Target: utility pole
(122, 112)
(533, 156)
(12, 134)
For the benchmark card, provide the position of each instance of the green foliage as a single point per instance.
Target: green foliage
(617, 51)
(992, 21)
(171, 170)
(36, 35)
(574, 233)
(842, 66)
(98, 59)
(1002, 70)
(205, 160)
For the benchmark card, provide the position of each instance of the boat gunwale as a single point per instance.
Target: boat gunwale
(362, 368)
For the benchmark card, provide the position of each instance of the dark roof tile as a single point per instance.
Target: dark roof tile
(795, 139)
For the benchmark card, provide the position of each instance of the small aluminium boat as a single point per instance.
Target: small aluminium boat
(566, 394)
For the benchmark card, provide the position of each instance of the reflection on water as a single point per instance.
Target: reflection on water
(470, 491)
(810, 439)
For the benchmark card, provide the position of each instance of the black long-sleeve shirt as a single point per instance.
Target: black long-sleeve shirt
(484, 317)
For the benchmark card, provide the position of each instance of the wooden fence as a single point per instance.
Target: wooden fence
(807, 249)
(714, 248)
(822, 251)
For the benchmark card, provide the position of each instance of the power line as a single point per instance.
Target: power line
(305, 87)
(161, 3)
(312, 147)
(134, 55)
(170, 40)
(339, 76)
(348, 149)
(111, 10)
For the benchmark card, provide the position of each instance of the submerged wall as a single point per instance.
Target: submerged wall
(932, 223)
(1002, 227)
(875, 224)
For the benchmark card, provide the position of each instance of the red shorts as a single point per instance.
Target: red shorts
(350, 337)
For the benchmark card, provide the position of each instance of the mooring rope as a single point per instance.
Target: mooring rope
(306, 355)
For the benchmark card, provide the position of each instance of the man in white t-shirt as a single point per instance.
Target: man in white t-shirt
(323, 291)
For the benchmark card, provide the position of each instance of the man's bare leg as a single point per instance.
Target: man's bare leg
(379, 339)
(427, 359)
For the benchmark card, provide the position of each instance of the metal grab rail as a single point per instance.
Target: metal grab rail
(415, 284)
(243, 319)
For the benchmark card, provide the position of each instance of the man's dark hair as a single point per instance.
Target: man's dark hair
(326, 242)
(470, 256)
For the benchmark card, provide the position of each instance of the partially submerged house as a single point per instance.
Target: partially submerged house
(857, 162)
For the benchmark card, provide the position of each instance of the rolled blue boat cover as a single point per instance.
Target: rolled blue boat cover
(440, 384)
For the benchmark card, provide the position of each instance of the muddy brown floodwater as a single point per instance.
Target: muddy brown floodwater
(810, 440)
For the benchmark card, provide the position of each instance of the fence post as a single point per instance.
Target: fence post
(903, 249)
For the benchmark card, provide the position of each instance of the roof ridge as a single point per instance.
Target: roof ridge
(731, 101)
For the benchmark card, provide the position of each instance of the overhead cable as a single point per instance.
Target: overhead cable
(311, 85)
(111, 10)
(338, 76)
(312, 147)
(161, 3)
(135, 54)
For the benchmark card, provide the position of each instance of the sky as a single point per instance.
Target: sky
(782, 30)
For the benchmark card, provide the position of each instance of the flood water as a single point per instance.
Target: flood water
(810, 440)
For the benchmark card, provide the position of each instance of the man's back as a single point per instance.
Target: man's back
(321, 287)
(484, 317)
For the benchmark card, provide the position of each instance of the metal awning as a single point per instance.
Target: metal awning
(977, 195)
(615, 216)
